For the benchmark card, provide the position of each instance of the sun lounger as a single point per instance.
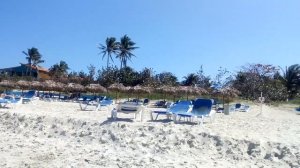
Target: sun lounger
(298, 110)
(105, 103)
(201, 108)
(180, 107)
(241, 107)
(96, 104)
(129, 108)
(3, 103)
(10, 103)
(29, 96)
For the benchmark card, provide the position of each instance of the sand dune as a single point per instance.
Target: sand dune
(57, 134)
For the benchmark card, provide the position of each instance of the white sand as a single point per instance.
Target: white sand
(57, 134)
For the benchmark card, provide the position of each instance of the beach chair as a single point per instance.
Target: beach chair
(3, 103)
(166, 112)
(298, 110)
(10, 102)
(105, 103)
(129, 108)
(202, 108)
(98, 104)
(173, 109)
(241, 107)
(29, 96)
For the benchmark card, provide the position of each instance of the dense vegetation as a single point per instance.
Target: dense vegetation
(250, 81)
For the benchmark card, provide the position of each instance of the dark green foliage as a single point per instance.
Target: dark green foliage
(166, 78)
(191, 80)
(291, 79)
(256, 78)
(59, 70)
(110, 47)
(129, 77)
(33, 57)
(125, 48)
(108, 76)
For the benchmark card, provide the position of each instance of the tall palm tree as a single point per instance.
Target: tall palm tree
(191, 79)
(34, 57)
(110, 47)
(292, 79)
(126, 46)
(59, 70)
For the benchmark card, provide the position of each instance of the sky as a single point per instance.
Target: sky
(172, 35)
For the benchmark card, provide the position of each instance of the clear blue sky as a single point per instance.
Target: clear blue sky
(176, 36)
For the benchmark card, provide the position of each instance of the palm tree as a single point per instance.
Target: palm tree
(191, 79)
(34, 57)
(292, 79)
(110, 47)
(126, 46)
(59, 70)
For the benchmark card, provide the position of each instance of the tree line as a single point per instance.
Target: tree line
(274, 82)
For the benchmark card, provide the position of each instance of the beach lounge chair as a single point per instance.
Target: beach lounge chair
(298, 110)
(173, 109)
(10, 102)
(129, 108)
(105, 103)
(241, 107)
(29, 96)
(3, 103)
(98, 104)
(201, 108)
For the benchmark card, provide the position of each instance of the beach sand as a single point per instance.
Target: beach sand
(58, 134)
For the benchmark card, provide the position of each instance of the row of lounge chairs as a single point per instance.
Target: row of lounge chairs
(9, 101)
(192, 110)
(196, 110)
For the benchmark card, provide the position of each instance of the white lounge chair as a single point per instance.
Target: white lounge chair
(241, 107)
(96, 104)
(129, 108)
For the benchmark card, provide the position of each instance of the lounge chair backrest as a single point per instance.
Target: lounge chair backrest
(30, 94)
(106, 102)
(181, 107)
(184, 102)
(202, 106)
(129, 106)
(146, 101)
(238, 105)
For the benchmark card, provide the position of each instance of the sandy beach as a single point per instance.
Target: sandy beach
(58, 134)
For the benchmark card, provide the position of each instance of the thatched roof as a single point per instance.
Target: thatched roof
(95, 88)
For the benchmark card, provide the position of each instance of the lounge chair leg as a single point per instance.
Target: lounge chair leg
(151, 115)
(114, 114)
(174, 118)
(156, 116)
(141, 116)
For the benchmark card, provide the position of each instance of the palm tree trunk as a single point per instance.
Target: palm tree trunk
(107, 62)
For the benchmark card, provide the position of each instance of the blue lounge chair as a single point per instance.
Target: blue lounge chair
(173, 109)
(3, 103)
(298, 110)
(201, 108)
(29, 96)
(98, 104)
(9, 102)
(106, 102)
